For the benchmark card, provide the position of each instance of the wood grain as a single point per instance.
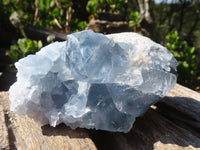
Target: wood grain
(151, 131)
(30, 136)
(172, 124)
(26, 134)
(182, 106)
(3, 131)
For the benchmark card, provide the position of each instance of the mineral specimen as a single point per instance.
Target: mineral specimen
(93, 80)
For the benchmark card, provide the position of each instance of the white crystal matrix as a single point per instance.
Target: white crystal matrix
(93, 80)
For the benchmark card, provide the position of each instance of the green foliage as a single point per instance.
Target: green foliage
(51, 38)
(56, 14)
(135, 17)
(95, 6)
(188, 63)
(23, 48)
(134, 20)
(81, 25)
(8, 7)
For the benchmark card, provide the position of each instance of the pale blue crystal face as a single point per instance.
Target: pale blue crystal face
(93, 80)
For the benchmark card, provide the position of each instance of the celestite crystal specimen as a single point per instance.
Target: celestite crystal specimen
(93, 80)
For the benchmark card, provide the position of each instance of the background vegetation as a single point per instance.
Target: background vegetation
(175, 25)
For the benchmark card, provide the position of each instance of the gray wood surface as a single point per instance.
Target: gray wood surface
(171, 124)
(3, 131)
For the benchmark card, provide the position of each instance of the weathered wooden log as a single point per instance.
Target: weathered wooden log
(173, 123)
(28, 135)
(182, 106)
(3, 131)
(39, 33)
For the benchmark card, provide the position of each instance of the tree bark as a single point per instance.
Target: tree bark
(195, 24)
(36, 12)
(147, 22)
(182, 14)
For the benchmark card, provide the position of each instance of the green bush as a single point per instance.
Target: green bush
(135, 20)
(188, 63)
(23, 48)
(94, 6)
(56, 14)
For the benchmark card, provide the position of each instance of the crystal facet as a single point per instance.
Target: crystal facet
(93, 80)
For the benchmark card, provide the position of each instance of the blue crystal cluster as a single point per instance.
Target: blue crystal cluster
(93, 80)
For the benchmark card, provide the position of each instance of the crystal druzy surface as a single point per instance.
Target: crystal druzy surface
(93, 81)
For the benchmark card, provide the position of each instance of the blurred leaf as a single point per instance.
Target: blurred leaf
(14, 53)
(134, 16)
(55, 12)
(41, 5)
(92, 6)
(82, 25)
(40, 44)
(52, 4)
(23, 48)
(50, 38)
(22, 45)
(64, 1)
(134, 20)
